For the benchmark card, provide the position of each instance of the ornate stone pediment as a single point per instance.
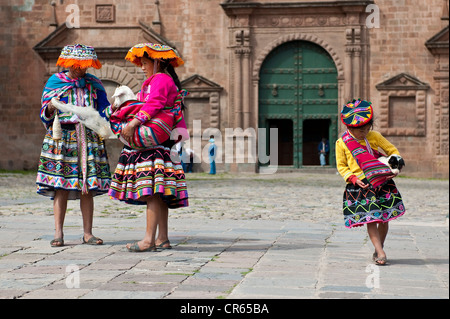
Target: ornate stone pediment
(402, 106)
(403, 81)
(204, 100)
(438, 44)
(197, 83)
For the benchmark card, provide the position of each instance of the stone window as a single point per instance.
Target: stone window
(402, 112)
(402, 108)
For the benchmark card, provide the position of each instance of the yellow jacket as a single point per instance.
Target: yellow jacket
(345, 162)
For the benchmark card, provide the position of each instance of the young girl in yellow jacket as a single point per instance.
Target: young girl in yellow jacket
(371, 196)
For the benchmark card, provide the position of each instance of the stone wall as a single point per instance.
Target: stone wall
(407, 113)
(414, 117)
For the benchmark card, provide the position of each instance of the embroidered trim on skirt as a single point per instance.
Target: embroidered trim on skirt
(140, 174)
(60, 164)
(372, 205)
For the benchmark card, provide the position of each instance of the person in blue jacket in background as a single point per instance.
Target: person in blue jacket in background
(212, 155)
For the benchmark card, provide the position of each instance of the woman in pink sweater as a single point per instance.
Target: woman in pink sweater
(152, 176)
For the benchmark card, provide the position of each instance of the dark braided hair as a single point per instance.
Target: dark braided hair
(171, 70)
(165, 65)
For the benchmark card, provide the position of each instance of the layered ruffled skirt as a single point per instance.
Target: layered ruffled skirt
(371, 205)
(141, 174)
(73, 164)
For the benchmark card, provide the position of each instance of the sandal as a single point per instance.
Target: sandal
(161, 246)
(381, 261)
(57, 242)
(93, 241)
(136, 249)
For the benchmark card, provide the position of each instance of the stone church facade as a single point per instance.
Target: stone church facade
(249, 66)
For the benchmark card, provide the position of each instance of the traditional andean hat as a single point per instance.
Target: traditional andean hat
(154, 51)
(357, 113)
(78, 55)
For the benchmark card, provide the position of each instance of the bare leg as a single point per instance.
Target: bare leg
(383, 229)
(372, 229)
(163, 228)
(154, 204)
(87, 211)
(59, 211)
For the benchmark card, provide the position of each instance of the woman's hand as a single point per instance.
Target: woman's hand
(129, 129)
(50, 109)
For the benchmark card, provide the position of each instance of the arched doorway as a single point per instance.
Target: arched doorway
(298, 94)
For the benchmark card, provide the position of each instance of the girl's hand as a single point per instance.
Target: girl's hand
(115, 106)
(361, 184)
(392, 176)
(129, 129)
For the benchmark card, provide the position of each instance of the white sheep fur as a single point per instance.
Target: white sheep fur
(123, 94)
(88, 116)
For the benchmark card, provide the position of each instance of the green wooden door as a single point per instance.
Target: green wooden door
(298, 82)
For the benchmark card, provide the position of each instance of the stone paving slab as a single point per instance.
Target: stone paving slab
(243, 250)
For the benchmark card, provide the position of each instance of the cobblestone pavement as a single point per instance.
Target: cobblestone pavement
(248, 236)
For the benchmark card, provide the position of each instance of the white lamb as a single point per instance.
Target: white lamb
(123, 94)
(88, 116)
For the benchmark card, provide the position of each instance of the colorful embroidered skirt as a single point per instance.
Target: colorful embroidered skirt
(60, 164)
(140, 174)
(379, 205)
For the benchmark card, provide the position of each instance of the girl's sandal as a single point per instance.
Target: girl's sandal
(57, 242)
(381, 261)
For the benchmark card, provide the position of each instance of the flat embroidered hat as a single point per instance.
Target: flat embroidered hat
(357, 113)
(154, 51)
(78, 55)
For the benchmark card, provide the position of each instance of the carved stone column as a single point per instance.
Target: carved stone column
(348, 88)
(357, 84)
(357, 73)
(246, 88)
(242, 78)
(353, 64)
(238, 88)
